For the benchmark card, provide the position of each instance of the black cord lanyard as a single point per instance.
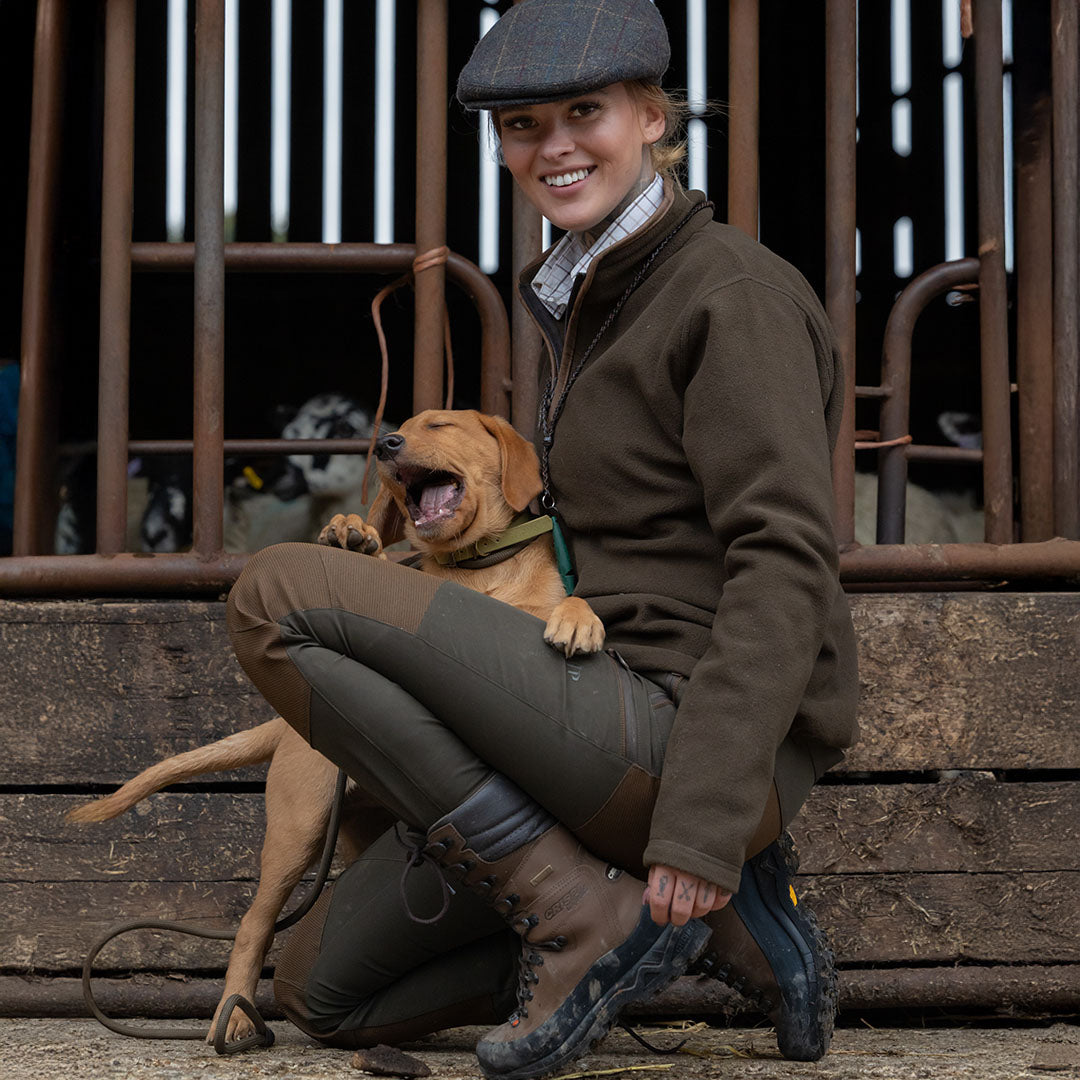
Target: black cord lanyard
(549, 417)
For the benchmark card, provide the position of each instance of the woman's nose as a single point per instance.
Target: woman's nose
(558, 143)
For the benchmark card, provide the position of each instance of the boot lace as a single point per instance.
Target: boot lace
(529, 960)
(416, 844)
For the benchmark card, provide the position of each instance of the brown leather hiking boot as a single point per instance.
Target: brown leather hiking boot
(589, 946)
(766, 945)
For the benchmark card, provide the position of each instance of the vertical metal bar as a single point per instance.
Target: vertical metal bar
(526, 345)
(1065, 63)
(35, 437)
(208, 426)
(840, 61)
(993, 317)
(743, 92)
(1034, 325)
(431, 61)
(896, 382)
(117, 185)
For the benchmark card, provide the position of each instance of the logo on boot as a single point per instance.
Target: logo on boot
(566, 902)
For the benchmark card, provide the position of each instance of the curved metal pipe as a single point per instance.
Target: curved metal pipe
(266, 257)
(896, 381)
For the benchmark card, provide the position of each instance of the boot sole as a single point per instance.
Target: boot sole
(669, 956)
(804, 1027)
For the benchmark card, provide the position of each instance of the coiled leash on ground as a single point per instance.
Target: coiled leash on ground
(263, 1035)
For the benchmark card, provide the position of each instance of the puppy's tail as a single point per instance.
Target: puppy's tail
(244, 748)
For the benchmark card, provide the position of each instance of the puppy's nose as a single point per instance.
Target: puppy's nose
(386, 446)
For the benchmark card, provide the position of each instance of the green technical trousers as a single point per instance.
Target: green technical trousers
(419, 689)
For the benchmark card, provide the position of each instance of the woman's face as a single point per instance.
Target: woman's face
(577, 159)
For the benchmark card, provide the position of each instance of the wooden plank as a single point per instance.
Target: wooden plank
(968, 681)
(1022, 918)
(971, 824)
(98, 690)
(167, 837)
(1016, 918)
(94, 691)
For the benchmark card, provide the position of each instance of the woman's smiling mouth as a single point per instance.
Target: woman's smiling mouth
(565, 179)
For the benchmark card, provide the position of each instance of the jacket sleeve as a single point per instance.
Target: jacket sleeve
(754, 432)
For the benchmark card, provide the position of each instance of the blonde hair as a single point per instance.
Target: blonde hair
(670, 149)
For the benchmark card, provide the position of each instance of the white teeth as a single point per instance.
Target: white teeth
(566, 178)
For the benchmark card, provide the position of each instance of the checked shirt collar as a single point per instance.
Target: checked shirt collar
(554, 281)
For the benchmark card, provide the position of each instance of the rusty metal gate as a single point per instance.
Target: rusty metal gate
(1047, 376)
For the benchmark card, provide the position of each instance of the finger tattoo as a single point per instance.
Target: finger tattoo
(687, 891)
(663, 884)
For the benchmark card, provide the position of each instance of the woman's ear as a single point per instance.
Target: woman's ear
(386, 518)
(520, 467)
(652, 120)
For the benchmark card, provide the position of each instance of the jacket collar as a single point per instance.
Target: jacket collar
(610, 271)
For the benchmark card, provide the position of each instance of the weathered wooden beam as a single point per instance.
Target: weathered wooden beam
(1010, 918)
(1025, 918)
(98, 690)
(971, 824)
(93, 691)
(967, 681)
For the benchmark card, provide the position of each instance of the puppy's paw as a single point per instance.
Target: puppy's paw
(351, 532)
(574, 628)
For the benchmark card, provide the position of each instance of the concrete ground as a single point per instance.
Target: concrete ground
(78, 1049)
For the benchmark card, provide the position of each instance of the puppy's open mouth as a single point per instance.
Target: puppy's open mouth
(430, 496)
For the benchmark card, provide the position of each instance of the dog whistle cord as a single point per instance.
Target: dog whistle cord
(263, 1036)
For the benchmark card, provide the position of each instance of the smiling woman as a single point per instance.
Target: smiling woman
(693, 398)
(582, 161)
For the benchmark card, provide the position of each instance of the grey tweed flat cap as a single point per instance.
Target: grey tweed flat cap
(544, 50)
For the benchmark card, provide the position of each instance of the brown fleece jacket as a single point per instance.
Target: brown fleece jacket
(691, 469)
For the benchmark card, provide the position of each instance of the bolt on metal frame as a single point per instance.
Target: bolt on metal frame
(1042, 384)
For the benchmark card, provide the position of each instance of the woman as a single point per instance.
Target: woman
(692, 398)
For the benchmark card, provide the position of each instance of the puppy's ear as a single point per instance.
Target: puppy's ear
(520, 466)
(386, 518)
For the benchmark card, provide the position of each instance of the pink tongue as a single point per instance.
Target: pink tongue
(436, 496)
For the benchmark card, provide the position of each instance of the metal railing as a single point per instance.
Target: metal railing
(207, 566)
(1047, 368)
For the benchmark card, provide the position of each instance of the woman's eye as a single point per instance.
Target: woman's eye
(584, 108)
(517, 123)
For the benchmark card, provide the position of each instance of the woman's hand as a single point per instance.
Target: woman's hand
(676, 897)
